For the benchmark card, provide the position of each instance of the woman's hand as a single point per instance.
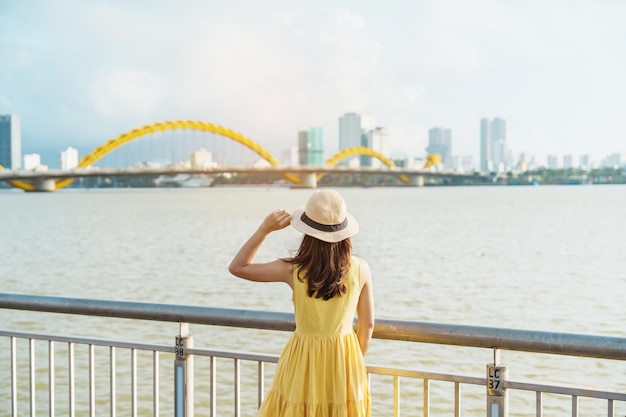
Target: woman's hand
(243, 265)
(276, 220)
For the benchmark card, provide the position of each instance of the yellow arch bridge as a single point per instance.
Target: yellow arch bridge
(125, 138)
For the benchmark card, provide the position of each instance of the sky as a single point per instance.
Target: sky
(78, 73)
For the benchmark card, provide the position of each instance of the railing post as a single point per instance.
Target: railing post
(183, 374)
(497, 394)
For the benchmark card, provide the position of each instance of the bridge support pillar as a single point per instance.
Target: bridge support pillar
(45, 185)
(309, 180)
(418, 181)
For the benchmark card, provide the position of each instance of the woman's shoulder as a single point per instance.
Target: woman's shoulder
(357, 261)
(361, 270)
(364, 273)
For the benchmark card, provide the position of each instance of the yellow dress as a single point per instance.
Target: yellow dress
(321, 371)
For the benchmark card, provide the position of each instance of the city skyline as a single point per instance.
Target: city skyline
(554, 73)
(310, 149)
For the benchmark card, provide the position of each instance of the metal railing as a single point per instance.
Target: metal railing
(179, 392)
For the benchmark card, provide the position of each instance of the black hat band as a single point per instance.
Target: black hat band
(324, 227)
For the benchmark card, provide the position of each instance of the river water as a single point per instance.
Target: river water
(547, 258)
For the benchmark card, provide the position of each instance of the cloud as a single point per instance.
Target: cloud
(284, 18)
(5, 105)
(268, 70)
(126, 94)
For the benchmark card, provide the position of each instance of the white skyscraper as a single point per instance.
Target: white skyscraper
(486, 161)
(10, 142)
(380, 141)
(553, 162)
(68, 159)
(201, 159)
(377, 140)
(614, 160)
(570, 161)
(494, 155)
(498, 143)
(32, 161)
(587, 162)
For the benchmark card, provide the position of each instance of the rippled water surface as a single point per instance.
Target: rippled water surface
(537, 258)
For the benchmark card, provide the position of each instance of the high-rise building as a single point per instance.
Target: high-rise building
(486, 162)
(570, 161)
(68, 159)
(463, 163)
(199, 159)
(303, 138)
(494, 155)
(10, 142)
(349, 131)
(440, 142)
(587, 162)
(498, 143)
(526, 162)
(553, 162)
(32, 161)
(377, 140)
(290, 157)
(311, 146)
(614, 160)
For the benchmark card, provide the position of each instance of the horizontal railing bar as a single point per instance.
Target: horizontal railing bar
(257, 357)
(88, 341)
(505, 339)
(141, 346)
(551, 389)
(379, 370)
(150, 311)
(568, 390)
(447, 334)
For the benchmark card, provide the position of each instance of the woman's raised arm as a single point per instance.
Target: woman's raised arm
(242, 264)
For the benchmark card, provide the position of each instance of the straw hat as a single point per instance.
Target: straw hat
(325, 217)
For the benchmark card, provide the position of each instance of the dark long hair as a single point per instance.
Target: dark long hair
(325, 266)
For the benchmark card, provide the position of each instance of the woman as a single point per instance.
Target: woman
(321, 371)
